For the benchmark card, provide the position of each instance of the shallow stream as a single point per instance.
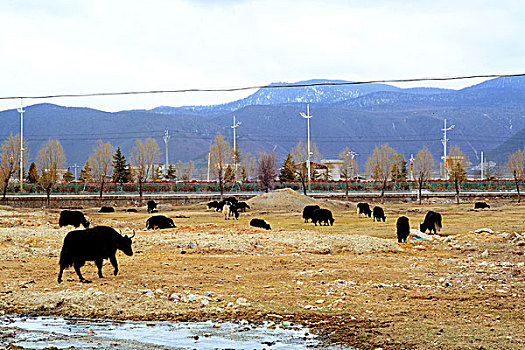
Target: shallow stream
(40, 332)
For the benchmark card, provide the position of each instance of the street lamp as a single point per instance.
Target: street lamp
(307, 116)
(352, 155)
(21, 111)
(235, 126)
(444, 141)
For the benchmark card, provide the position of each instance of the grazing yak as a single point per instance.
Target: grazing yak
(92, 244)
(481, 205)
(322, 215)
(131, 210)
(230, 210)
(159, 221)
(213, 205)
(260, 223)
(107, 210)
(151, 206)
(403, 229)
(72, 217)
(379, 214)
(308, 212)
(364, 208)
(231, 200)
(218, 206)
(431, 223)
(242, 206)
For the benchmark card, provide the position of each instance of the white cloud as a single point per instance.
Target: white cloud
(72, 47)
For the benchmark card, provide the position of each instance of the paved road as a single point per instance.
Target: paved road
(251, 193)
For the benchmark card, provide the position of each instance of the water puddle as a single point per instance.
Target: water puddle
(41, 332)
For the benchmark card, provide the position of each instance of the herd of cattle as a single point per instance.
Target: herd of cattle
(102, 242)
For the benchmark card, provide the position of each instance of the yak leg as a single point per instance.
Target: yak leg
(60, 274)
(77, 265)
(98, 262)
(113, 261)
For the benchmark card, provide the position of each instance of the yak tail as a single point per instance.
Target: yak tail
(65, 259)
(438, 223)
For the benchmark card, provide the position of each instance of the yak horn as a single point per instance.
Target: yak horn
(133, 234)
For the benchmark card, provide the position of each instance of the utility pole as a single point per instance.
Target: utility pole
(352, 155)
(307, 116)
(482, 166)
(21, 111)
(166, 139)
(76, 167)
(235, 126)
(411, 167)
(209, 161)
(444, 141)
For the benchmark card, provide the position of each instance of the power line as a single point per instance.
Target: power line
(276, 86)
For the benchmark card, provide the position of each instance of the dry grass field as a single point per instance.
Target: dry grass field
(351, 282)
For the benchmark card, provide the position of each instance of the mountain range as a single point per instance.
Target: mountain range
(488, 117)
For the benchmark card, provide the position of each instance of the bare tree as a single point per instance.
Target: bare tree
(179, 167)
(380, 164)
(266, 170)
(248, 166)
(422, 165)
(187, 170)
(101, 161)
(516, 165)
(221, 155)
(349, 168)
(9, 161)
(457, 165)
(300, 156)
(49, 159)
(143, 158)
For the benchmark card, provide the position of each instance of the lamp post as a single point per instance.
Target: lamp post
(307, 116)
(235, 126)
(21, 111)
(444, 141)
(166, 139)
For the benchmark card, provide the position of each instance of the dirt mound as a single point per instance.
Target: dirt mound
(283, 199)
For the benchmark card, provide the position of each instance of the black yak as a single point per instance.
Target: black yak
(260, 223)
(72, 217)
(213, 205)
(431, 223)
(379, 214)
(231, 200)
(229, 210)
(242, 206)
(403, 229)
(322, 215)
(481, 205)
(92, 244)
(107, 210)
(159, 221)
(364, 208)
(308, 212)
(151, 206)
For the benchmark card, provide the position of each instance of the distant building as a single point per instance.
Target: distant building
(333, 168)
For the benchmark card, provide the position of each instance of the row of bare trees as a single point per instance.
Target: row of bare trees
(385, 162)
(227, 166)
(383, 165)
(51, 158)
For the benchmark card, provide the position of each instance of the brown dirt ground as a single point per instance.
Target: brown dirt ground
(351, 282)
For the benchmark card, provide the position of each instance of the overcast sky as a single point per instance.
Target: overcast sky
(64, 46)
